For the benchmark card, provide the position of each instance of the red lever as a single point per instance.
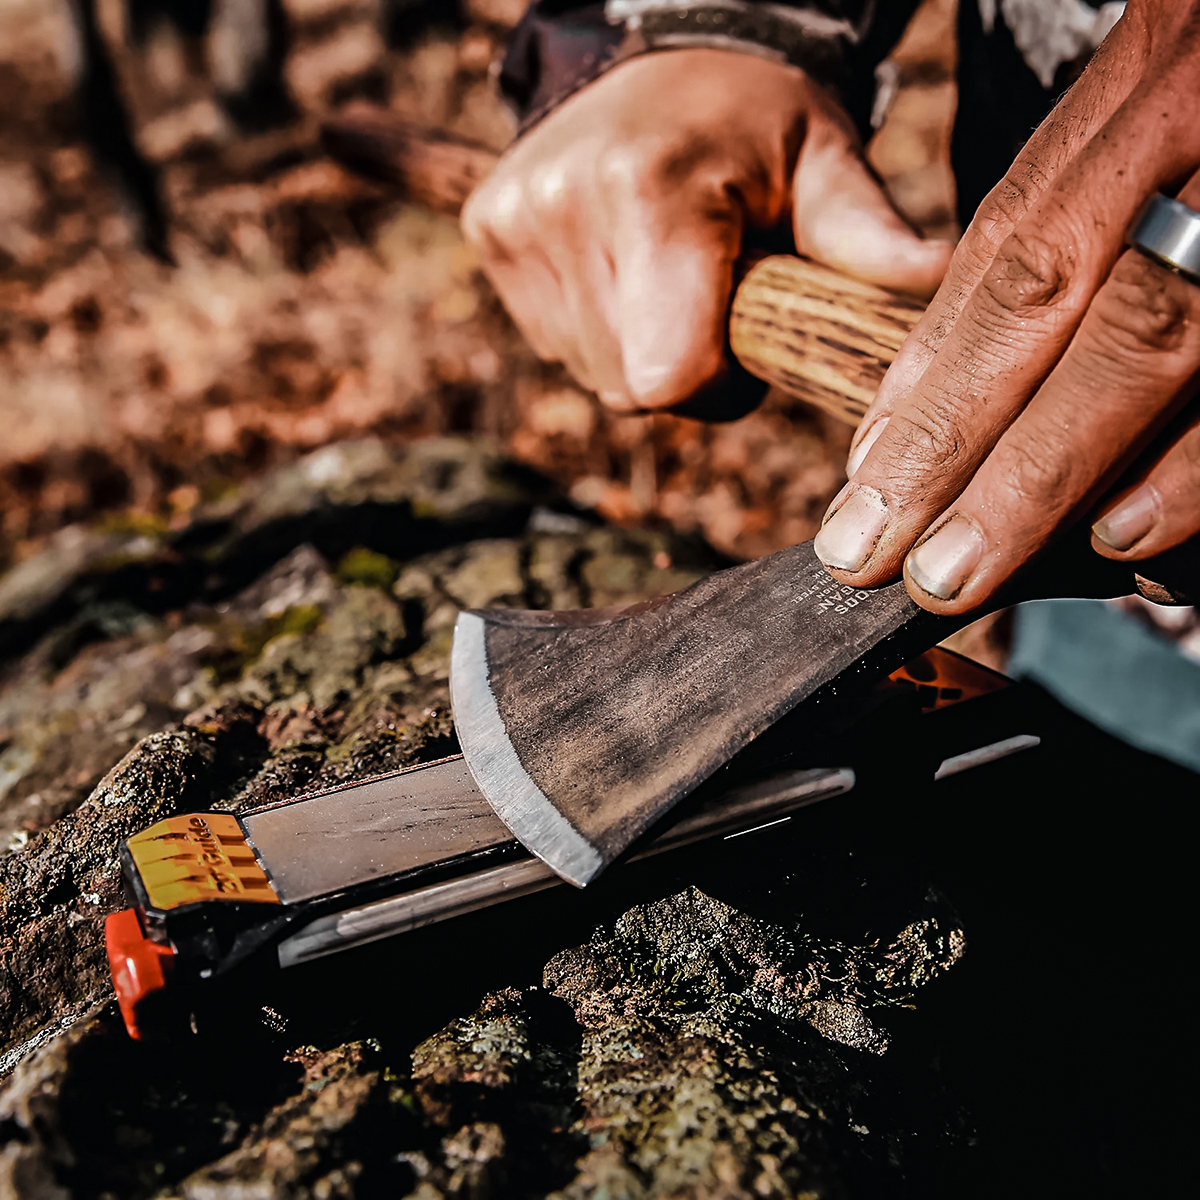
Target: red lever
(139, 966)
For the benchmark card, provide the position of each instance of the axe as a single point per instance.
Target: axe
(582, 729)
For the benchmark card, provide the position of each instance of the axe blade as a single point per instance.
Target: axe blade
(582, 729)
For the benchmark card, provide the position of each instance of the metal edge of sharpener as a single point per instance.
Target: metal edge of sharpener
(330, 870)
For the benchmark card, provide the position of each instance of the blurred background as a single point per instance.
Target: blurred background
(191, 292)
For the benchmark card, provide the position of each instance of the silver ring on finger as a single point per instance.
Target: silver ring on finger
(1169, 232)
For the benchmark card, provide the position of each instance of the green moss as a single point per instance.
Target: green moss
(367, 568)
(140, 524)
(219, 488)
(424, 510)
(299, 618)
(240, 646)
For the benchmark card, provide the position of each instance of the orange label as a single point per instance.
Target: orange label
(201, 856)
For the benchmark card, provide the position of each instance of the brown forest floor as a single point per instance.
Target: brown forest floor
(307, 306)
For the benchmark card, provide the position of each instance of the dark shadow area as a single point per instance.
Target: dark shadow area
(164, 1114)
(109, 132)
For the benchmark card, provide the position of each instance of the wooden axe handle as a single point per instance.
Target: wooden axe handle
(818, 334)
(807, 329)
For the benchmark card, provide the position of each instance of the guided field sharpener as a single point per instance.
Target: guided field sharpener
(326, 871)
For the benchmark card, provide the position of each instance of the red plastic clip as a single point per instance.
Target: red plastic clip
(139, 966)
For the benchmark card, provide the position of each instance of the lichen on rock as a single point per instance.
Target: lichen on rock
(699, 1072)
(692, 953)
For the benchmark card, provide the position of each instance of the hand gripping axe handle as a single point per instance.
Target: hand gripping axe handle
(802, 327)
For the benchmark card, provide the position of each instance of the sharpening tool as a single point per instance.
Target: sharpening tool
(308, 877)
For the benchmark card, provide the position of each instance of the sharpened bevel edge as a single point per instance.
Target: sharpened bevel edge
(507, 786)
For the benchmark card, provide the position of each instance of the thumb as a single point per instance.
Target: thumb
(843, 218)
(674, 274)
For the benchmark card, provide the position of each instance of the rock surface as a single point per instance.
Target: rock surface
(299, 636)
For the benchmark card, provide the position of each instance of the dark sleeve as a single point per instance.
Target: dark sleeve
(561, 45)
(1009, 78)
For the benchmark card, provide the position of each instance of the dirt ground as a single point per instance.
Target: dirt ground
(305, 306)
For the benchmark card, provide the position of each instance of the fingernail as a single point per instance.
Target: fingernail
(943, 564)
(848, 539)
(864, 447)
(1130, 521)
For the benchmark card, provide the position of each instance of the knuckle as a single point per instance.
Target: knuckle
(1144, 308)
(656, 165)
(1007, 204)
(1033, 471)
(930, 436)
(494, 219)
(475, 218)
(1032, 273)
(622, 166)
(549, 190)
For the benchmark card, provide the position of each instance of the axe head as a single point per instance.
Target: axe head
(583, 728)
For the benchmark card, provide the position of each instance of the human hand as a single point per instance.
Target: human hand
(1051, 355)
(612, 228)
